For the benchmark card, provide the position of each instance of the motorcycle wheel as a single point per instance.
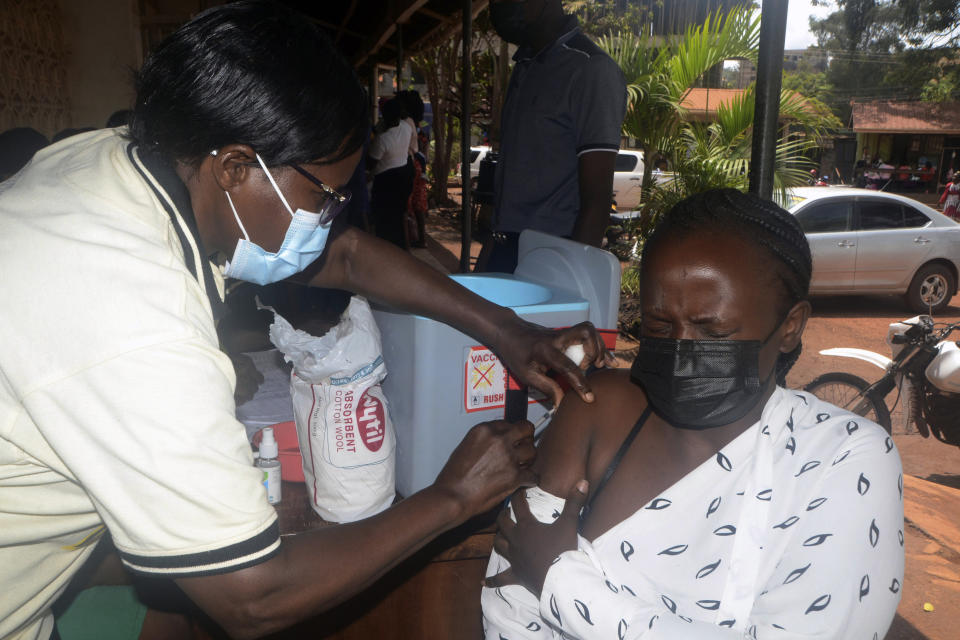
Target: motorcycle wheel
(846, 391)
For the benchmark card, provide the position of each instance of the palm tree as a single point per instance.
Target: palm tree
(661, 71)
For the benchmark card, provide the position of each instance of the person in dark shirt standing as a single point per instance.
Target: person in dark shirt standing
(560, 130)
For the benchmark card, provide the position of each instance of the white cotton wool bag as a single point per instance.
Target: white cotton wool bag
(346, 438)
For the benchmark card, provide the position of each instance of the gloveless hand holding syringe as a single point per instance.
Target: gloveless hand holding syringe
(576, 353)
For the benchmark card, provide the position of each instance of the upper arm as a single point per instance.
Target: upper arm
(563, 449)
(599, 103)
(151, 437)
(565, 453)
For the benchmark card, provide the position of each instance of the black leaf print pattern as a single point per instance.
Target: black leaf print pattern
(583, 611)
(612, 586)
(791, 445)
(851, 427)
(819, 604)
(555, 514)
(900, 536)
(675, 550)
(874, 533)
(714, 505)
(500, 595)
(786, 524)
(725, 530)
(670, 604)
(659, 503)
(752, 631)
(709, 605)
(807, 466)
(728, 623)
(622, 629)
(503, 637)
(816, 502)
(685, 618)
(708, 569)
(843, 456)
(628, 590)
(863, 485)
(533, 626)
(888, 444)
(864, 586)
(895, 586)
(822, 416)
(816, 540)
(766, 430)
(724, 461)
(795, 574)
(790, 421)
(766, 494)
(777, 626)
(802, 399)
(650, 624)
(555, 610)
(626, 549)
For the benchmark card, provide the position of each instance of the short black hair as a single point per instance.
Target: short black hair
(756, 221)
(254, 73)
(412, 104)
(393, 112)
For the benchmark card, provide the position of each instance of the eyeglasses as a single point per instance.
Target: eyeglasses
(333, 201)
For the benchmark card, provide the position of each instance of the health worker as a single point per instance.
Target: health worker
(116, 402)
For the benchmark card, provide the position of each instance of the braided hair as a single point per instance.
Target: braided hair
(756, 221)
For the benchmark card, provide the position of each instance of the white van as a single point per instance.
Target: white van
(627, 178)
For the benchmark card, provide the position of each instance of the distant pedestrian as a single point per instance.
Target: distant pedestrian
(950, 199)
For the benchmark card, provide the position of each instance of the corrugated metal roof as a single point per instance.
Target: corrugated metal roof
(888, 116)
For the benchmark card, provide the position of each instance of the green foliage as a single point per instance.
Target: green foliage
(630, 280)
(660, 72)
(890, 49)
(812, 85)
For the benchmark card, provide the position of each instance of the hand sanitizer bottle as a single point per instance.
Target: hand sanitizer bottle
(270, 464)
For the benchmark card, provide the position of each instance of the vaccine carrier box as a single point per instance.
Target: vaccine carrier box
(440, 382)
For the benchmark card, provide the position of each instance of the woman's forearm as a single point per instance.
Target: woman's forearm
(380, 271)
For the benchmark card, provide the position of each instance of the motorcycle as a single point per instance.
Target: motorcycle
(925, 371)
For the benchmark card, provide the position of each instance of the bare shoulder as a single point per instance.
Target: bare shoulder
(564, 452)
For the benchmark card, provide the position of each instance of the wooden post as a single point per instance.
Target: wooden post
(466, 80)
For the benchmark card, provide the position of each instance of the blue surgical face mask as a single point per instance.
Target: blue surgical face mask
(303, 243)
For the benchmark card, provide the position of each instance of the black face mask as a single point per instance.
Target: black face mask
(700, 384)
(508, 22)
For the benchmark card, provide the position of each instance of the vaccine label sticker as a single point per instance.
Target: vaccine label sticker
(484, 381)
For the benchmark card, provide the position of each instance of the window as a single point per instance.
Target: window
(826, 217)
(625, 162)
(877, 214)
(913, 218)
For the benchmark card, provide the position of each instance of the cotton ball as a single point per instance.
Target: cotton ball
(576, 353)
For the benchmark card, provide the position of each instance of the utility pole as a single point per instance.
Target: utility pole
(773, 29)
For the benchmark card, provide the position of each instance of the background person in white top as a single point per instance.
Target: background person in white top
(392, 173)
(116, 403)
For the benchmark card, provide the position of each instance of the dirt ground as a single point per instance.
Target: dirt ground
(932, 531)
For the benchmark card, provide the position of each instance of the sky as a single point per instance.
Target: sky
(798, 27)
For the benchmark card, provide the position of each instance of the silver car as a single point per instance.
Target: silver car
(874, 242)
